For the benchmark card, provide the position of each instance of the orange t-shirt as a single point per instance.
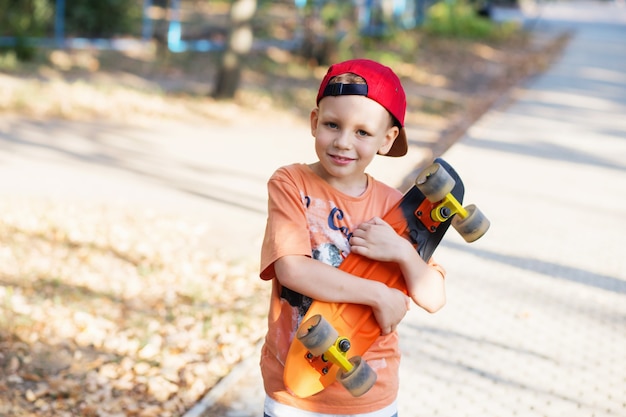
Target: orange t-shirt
(307, 216)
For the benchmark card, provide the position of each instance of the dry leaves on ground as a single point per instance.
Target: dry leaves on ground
(111, 312)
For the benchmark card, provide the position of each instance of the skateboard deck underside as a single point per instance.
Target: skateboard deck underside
(304, 377)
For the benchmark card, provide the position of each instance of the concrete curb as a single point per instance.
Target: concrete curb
(226, 384)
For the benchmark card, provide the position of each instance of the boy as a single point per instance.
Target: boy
(325, 210)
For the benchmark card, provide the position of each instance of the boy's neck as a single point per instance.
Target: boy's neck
(354, 187)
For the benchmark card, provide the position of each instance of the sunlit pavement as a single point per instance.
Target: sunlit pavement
(535, 323)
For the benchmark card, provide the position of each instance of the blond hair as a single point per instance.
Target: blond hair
(347, 78)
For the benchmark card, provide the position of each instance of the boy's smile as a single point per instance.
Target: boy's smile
(340, 160)
(349, 131)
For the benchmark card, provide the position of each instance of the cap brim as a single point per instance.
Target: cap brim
(400, 145)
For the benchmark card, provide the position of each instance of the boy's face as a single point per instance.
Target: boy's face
(349, 131)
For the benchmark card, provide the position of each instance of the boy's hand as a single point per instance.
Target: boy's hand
(391, 309)
(375, 239)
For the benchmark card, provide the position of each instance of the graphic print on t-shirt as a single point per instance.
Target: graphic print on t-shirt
(330, 234)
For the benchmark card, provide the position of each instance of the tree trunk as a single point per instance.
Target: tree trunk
(238, 46)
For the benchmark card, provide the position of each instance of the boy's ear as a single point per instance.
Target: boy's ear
(314, 117)
(390, 137)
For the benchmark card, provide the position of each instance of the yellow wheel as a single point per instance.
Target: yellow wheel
(359, 379)
(474, 226)
(434, 182)
(317, 335)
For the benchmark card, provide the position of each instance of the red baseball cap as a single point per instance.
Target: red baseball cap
(383, 86)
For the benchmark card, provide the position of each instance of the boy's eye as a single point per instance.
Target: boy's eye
(361, 132)
(332, 125)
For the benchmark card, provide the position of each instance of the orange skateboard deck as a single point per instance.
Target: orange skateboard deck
(307, 374)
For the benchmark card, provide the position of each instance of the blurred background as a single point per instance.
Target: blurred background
(264, 52)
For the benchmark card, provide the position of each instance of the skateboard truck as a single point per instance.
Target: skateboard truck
(440, 205)
(432, 214)
(335, 354)
(325, 347)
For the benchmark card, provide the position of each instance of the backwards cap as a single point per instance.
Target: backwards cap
(383, 86)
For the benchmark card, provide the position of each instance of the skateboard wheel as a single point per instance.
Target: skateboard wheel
(472, 227)
(359, 379)
(317, 335)
(434, 182)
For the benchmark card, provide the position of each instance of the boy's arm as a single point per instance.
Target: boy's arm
(425, 283)
(323, 282)
(377, 240)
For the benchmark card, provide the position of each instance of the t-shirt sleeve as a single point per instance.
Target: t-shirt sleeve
(286, 231)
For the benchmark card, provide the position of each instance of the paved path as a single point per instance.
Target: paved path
(214, 173)
(217, 172)
(536, 318)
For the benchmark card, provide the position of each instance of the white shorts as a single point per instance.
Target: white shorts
(276, 409)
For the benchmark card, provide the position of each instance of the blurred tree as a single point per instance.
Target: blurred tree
(238, 46)
(160, 20)
(102, 18)
(322, 20)
(24, 19)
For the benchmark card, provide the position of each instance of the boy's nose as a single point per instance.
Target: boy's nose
(343, 141)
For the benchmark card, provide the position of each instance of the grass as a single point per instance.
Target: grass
(458, 18)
